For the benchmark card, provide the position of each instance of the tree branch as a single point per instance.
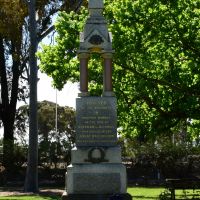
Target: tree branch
(3, 75)
(45, 33)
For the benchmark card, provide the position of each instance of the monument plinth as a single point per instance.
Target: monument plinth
(96, 171)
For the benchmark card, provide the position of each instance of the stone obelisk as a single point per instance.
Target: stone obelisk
(96, 170)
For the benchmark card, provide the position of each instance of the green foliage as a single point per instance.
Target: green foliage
(54, 146)
(59, 61)
(20, 155)
(157, 88)
(12, 18)
(173, 160)
(156, 64)
(19, 159)
(184, 194)
(165, 195)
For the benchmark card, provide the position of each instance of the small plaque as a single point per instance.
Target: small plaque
(96, 121)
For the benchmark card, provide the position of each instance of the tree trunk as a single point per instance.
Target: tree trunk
(31, 182)
(8, 106)
(8, 148)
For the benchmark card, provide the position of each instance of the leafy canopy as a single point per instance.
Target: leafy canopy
(156, 64)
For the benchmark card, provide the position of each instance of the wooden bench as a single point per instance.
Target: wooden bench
(174, 184)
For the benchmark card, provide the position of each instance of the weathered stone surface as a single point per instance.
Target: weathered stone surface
(96, 121)
(92, 182)
(95, 4)
(95, 25)
(96, 179)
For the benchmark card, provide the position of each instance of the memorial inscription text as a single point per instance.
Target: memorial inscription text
(96, 121)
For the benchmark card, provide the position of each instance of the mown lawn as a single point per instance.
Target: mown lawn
(138, 193)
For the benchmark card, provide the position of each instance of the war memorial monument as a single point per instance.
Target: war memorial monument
(96, 171)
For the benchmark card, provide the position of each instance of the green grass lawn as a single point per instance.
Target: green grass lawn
(138, 193)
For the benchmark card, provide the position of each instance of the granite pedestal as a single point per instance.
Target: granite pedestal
(96, 170)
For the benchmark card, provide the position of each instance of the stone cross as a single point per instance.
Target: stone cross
(96, 38)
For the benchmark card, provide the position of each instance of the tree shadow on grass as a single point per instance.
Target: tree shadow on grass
(17, 197)
(54, 194)
(144, 197)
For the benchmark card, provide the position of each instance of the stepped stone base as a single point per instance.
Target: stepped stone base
(125, 196)
(96, 179)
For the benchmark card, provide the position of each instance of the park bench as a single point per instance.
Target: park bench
(175, 184)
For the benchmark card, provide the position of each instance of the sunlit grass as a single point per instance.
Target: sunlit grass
(139, 193)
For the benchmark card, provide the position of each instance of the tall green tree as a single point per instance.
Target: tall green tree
(11, 59)
(14, 46)
(55, 139)
(156, 63)
(56, 133)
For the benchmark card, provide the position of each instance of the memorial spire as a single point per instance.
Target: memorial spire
(95, 38)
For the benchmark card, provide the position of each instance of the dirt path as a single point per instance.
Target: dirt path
(44, 192)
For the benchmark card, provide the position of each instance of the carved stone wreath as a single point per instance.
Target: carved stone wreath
(93, 159)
